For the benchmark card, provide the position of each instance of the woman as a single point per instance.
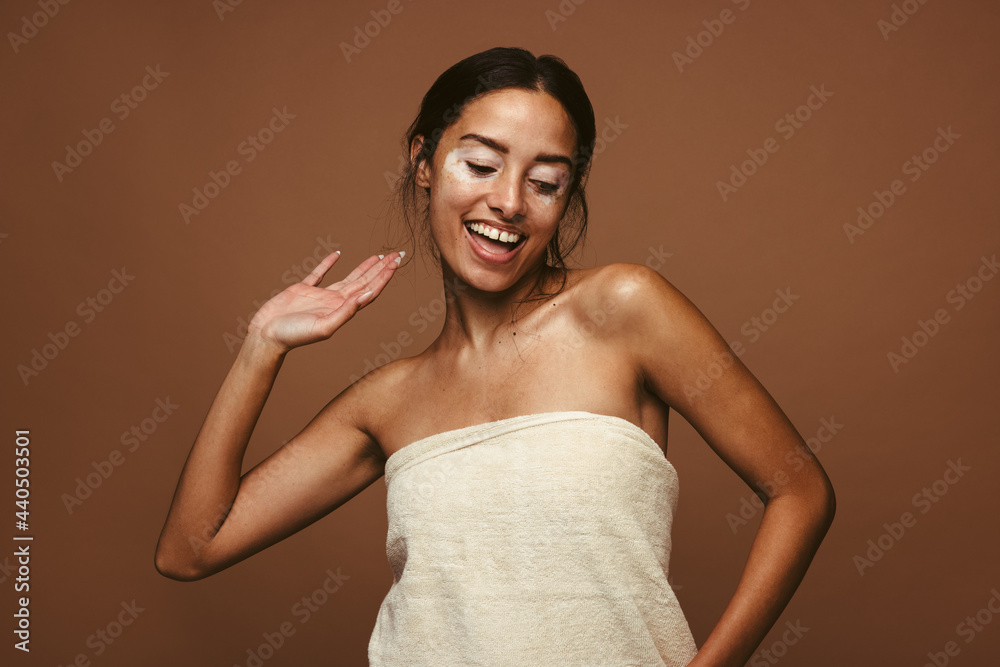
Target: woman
(529, 495)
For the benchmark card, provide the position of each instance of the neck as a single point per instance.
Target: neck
(475, 319)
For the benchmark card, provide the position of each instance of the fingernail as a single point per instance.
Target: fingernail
(381, 256)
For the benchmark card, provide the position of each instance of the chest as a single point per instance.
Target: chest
(526, 374)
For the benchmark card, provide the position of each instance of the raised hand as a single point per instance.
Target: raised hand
(304, 313)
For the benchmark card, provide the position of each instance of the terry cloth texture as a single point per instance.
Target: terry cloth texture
(541, 539)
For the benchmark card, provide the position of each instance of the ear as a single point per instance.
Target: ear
(422, 175)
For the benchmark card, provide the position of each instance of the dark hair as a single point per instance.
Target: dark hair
(471, 78)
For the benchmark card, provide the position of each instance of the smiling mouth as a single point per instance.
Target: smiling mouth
(492, 240)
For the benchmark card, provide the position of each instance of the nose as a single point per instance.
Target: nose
(506, 198)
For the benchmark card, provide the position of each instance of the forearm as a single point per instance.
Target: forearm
(211, 475)
(789, 535)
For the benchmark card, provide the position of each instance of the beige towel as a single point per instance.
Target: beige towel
(536, 540)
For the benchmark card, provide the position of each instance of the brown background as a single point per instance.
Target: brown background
(652, 187)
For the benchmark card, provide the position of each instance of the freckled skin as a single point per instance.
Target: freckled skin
(512, 192)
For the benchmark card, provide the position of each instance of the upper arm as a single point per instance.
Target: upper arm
(329, 462)
(684, 361)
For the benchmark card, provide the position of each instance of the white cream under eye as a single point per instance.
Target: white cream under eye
(550, 175)
(457, 164)
(473, 164)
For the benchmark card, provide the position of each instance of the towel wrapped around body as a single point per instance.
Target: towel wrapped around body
(535, 540)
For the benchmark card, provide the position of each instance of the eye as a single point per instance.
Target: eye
(480, 169)
(546, 187)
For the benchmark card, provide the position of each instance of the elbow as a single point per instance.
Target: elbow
(827, 500)
(816, 503)
(175, 572)
(831, 508)
(823, 503)
(172, 568)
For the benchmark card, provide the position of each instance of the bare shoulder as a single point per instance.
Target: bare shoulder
(625, 295)
(379, 393)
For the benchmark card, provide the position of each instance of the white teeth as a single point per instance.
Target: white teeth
(486, 230)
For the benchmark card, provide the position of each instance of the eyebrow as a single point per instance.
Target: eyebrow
(497, 146)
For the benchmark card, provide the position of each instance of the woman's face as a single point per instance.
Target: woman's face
(502, 169)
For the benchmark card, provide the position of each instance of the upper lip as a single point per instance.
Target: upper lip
(499, 226)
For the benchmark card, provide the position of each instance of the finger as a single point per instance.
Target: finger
(364, 294)
(317, 274)
(360, 284)
(384, 268)
(379, 277)
(361, 269)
